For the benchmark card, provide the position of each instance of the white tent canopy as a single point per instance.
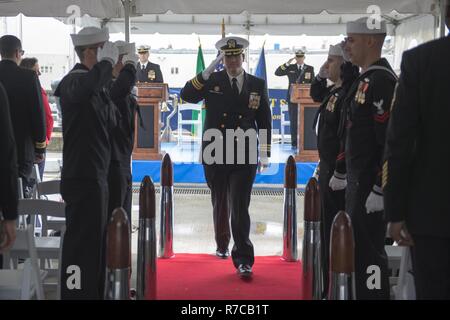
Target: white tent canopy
(114, 8)
(323, 24)
(413, 20)
(256, 17)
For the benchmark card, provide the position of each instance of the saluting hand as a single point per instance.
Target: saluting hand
(323, 72)
(290, 61)
(108, 52)
(208, 71)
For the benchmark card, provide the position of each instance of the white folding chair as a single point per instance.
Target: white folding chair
(48, 248)
(405, 288)
(283, 122)
(185, 107)
(23, 283)
(50, 190)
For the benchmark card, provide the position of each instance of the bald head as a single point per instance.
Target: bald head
(364, 49)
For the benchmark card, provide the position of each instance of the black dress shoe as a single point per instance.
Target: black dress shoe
(244, 271)
(223, 254)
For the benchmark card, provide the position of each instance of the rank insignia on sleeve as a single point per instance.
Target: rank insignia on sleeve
(253, 101)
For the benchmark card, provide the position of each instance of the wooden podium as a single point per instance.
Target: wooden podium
(147, 140)
(306, 136)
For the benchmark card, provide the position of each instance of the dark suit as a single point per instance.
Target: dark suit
(88, 117)
(330, 147)
(416, 171)
(295, 75)
(27, 114)
(151, 73)
(122, 140)
(231, 182)
(8, 161)
(367, 104)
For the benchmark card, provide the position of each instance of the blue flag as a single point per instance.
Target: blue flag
(220, 65)
(261, 67)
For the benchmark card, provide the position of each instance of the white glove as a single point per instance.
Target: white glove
(338, 181)
(374, 201)
(130, 58)
(208, 71)
(345, 53)
(323, 73)
(289, 62)
(263, 164)
(109, 52)
(316, 172)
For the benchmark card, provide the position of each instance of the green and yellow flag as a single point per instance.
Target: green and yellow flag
(200, 67)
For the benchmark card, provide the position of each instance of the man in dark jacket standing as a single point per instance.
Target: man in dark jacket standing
(237, 116)
(88, 117)
(298, 72)
(330, 141)
(26, 108)
(146, 70)
(122, 138)
(368, 102)
(416, 171)
(8, 177)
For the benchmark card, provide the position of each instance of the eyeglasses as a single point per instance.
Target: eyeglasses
(22, 52)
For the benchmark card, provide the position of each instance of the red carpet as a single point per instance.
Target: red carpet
(205, 277)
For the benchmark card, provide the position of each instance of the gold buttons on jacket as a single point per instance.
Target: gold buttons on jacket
(222, 126)
(240, 116)
(225, 114)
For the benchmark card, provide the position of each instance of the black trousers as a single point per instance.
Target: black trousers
(84, 240)
(231, 188)
(120, 189)
(431, 266)
(369, 232)
(331, 203)
(293, 118)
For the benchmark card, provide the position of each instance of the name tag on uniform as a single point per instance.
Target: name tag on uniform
(308, 75)
(151, 75)
(253, 101)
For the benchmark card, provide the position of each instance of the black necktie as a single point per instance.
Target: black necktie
(234, 87)
(143, 67)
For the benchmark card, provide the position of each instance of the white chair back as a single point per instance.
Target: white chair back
(30, 278)
(184, 107)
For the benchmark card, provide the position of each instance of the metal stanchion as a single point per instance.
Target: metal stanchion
(312, 244)
(146, 258)
(166, 206)
(290, 211)
(118, 252)
(342, 264)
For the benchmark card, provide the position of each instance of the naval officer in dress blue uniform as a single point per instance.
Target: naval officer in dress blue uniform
(147, 71)
(237, 137)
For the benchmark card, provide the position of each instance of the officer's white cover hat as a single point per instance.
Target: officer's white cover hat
(232, 46)
(90, 35)
(143, 49)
